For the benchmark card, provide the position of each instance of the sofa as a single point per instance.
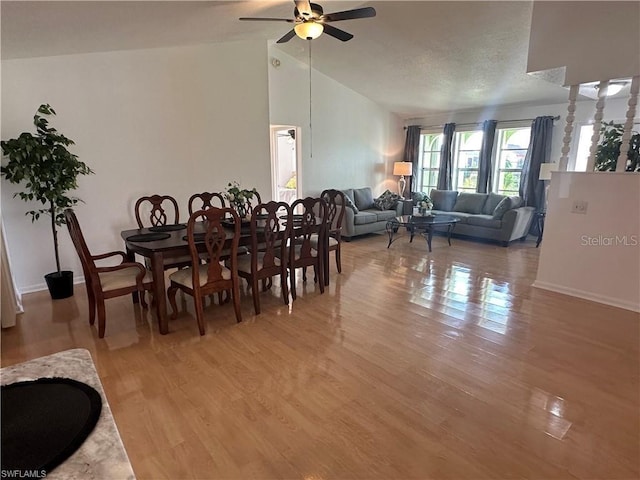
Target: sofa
(366, 214)
(484, 215)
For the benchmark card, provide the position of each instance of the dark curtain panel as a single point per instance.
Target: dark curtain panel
(485, 170)
(412, 152)
(539, 151)
(446, 167)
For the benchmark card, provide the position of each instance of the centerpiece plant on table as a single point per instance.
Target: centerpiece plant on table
(239, 198)
(423, 202)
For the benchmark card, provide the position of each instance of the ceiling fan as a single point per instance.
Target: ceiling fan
(310, 21)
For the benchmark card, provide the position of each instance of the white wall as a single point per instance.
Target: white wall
(354, 141)
(596, 40)
(171, 120)
(597, 255)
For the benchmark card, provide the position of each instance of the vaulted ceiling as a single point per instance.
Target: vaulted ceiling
(414, 58)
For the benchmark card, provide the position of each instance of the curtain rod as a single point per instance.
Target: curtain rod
(557, 117)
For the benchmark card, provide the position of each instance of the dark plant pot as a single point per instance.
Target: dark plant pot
(60, 284)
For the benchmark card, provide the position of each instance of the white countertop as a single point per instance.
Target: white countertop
(102, 455)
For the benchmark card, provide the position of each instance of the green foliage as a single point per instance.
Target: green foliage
(609, 149)
(46, 168)
(238, 196)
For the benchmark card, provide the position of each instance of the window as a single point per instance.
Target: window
(430, 145)
(466, 158)
(512, 149)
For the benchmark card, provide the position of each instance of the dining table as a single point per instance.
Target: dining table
(169, 241)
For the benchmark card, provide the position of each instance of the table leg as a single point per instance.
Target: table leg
(449, 228)
(160, 297)
(131, 257)
(391, 228)
(540, 230)
(429, 235)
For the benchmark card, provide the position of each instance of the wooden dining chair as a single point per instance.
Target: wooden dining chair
(158, 211)
(335, 215)
(161, 209)
(270, 227)
(309, 221)
(205, 200)
(203, 279)
(106, 282)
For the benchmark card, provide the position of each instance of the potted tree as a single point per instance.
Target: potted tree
(608, 149)
(49, 172)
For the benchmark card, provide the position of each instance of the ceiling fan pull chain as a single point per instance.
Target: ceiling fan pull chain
(310, 122)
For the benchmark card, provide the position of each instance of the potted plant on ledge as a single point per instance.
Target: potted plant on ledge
(49, 172)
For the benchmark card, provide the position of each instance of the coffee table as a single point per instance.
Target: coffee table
(424, 225)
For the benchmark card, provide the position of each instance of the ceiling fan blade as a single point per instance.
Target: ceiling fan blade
(286, 37)
(255, 19)
(366, 12)
(337, 33)
(304, 8)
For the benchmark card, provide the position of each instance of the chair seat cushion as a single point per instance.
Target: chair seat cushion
(185, 276)
(244, 262)
(298, 249)
(122, 278)
(314, 241)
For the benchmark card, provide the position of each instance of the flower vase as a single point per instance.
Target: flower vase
(241, 210)
(422, 211)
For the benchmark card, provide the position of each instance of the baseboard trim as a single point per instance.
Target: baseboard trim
(38, 287)
(574, 292)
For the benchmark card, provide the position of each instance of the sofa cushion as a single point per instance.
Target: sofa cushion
(493, 199)
(484, 221)
(470, 202)
(387, 201)
(443, 199)
(362, 218)
(502, 207)
(363, 198)
(516, 202)
(385, 215)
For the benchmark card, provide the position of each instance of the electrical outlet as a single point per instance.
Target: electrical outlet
(579, 206)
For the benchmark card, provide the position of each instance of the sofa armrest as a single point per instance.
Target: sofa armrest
(516, 223)
(348, 223)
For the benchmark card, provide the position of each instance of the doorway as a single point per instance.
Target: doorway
(284, 163)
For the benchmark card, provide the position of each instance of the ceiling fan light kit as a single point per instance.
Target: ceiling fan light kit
(311, 21)
(309, 30)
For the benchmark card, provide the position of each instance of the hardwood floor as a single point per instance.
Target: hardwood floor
(446, 365)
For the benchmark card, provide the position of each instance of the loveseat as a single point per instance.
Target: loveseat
(484, 215)
(366, 214)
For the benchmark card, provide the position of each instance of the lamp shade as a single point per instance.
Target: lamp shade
(402, 168)
(309, 30)
(546, 169)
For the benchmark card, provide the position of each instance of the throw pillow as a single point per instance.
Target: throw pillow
(349, 203)
(501, 208)
(387, 201)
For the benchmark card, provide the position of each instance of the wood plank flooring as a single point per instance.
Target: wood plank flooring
(412, 365)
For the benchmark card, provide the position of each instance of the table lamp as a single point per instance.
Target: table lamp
(402, 169)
